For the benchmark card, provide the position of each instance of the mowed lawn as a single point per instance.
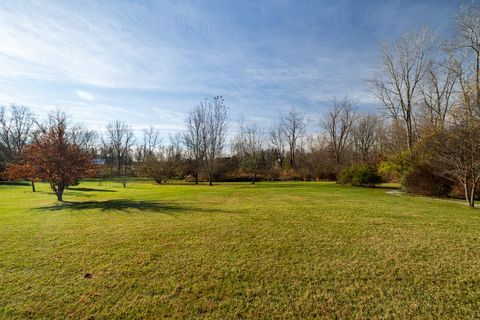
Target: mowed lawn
(271, 250)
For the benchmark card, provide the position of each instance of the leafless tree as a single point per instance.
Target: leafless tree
(249, 143)
(464, 52)
(175, 152)
(293, 128)
(396, 84)
(85, 138)
(456, 153)
(277, 144)
(213, 132)
(169, 160)
(16, 131)
(118, 141)
(437, 89)
(193, 138)
(469, 38)
(338, 123)
(365, 134)
(147, 154)
(151, 142)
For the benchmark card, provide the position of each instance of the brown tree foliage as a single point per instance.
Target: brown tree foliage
(55, 157)
(21, 171)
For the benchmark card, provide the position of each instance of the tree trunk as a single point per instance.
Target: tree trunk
(467, 194)
(33, 186)
(477, 79)
(125, 175)
(210, 172)
(60, 194)
(293, 165)
(472, 195)
(196, 177)
(409, 132)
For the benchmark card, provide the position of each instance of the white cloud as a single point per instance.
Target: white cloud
(138, 55)
(85, 95)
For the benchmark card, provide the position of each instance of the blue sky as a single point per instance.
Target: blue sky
(149, 62)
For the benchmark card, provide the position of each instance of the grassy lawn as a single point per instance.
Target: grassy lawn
(273, 250)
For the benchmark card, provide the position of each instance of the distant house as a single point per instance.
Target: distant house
(99, 162)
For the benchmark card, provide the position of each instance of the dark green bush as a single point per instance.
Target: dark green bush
(359, 175)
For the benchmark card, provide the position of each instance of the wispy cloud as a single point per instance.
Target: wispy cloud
(263, 57)
(85, 95)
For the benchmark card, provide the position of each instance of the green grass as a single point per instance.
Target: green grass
(273, 250)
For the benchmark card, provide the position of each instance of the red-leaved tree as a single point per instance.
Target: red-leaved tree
(55, 156)
(21, 171)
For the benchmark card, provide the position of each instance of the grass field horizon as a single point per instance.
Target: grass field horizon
(270, 250)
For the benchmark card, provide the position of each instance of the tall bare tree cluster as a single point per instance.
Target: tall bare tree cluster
(430, 89)
(248, 146)
(397, 84)
(117, 144)
(338, 124)
(17, 129)
(205, 135)
(293, 129)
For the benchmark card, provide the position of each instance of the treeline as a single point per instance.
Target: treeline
(426, 134)
(205, 151)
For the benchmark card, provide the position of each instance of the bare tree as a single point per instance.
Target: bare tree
(193, 138)
(174, 156)
(85, 138)
(118, 142)
(437, 90)
(277, 144)
(16, 130)
(396, 84)
(151, 142)
(211, 118)
(456, 154)
(338, 124)
(365, 134)
(214, 132)
(249, 143)
(148, 153)
(464, 52)
(293, 129)
(469, 38)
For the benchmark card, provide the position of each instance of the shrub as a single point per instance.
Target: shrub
(423, 181)
(360, 175)
(458, 191)
(291, 175)
(397, 166)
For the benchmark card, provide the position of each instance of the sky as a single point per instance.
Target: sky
(149, 62)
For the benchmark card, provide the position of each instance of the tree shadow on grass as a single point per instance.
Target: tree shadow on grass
(125, 205)
(296, 184)
(15, 183)
(91, 190)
